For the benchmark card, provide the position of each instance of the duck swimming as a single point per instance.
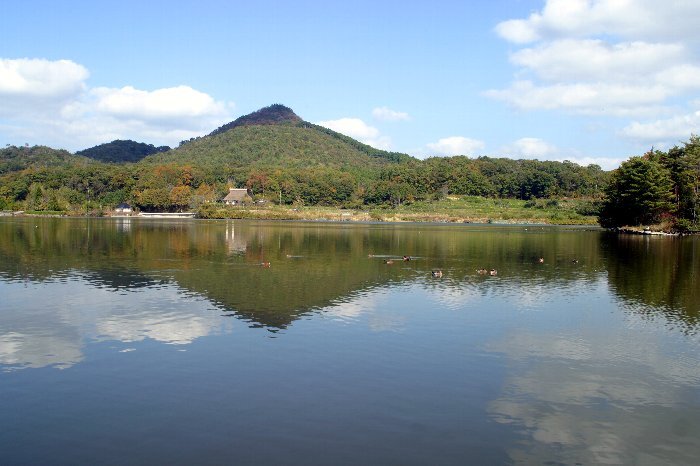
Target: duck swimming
(436, 273)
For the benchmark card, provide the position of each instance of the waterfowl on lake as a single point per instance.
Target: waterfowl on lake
(541, 260)
(436, 273)
(482, 271)
(493, 272)
(406, 258)
(388, 261)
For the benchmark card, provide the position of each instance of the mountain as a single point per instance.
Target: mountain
(275, 137)
(120, 151)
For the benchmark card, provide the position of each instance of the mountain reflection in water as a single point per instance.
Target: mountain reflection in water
(592, 356)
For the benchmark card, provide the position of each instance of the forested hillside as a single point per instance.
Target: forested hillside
(121, 151)
(13, 158)
(279, 158)
(275, 137)
(270, 146)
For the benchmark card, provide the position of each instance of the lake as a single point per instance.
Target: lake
(131, 341)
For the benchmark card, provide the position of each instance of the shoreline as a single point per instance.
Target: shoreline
(439, 214)
(358, 217)
(448, 210)
(645, 232)
(364, 217)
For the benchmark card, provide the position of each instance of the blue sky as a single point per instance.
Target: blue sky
(592, 81)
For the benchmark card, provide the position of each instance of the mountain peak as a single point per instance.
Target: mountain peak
(275, 114)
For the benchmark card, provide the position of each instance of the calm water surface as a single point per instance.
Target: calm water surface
(124, 341)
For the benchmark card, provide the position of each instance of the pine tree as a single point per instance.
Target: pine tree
(640, 193)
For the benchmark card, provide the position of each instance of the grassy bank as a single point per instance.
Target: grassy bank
(458, 209)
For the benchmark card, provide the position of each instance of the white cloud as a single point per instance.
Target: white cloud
(680, 78)
(523, 148)
(586, 98)
(358, 129)
(92, 129)
(168, 103)
(456, 145)
(35, 87)
(593, 77)
(387, 114)
(518, 31)
(95, 119)
(48, 102)
(531, 148)
(670, 19)
(606, 163)
(41, 78)
(353, 127)
(596, 60)
(604, 57)
(679, 127)
(536, 148)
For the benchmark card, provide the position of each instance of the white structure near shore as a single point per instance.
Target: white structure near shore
(167, 214)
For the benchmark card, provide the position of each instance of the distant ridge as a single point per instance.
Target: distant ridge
(14, 159)
(121, 151)
(275, 114)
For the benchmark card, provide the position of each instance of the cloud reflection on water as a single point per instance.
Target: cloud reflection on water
(39, 350)
(54, 330)
(374, 306)
(579, 393)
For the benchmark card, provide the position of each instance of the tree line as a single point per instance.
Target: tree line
(658, 188)
(42, 179)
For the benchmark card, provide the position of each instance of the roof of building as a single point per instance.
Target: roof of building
(235, 194)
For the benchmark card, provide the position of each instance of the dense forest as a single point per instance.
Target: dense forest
(282, 159)
(149, 185)
(658, 188)
(121, 151)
